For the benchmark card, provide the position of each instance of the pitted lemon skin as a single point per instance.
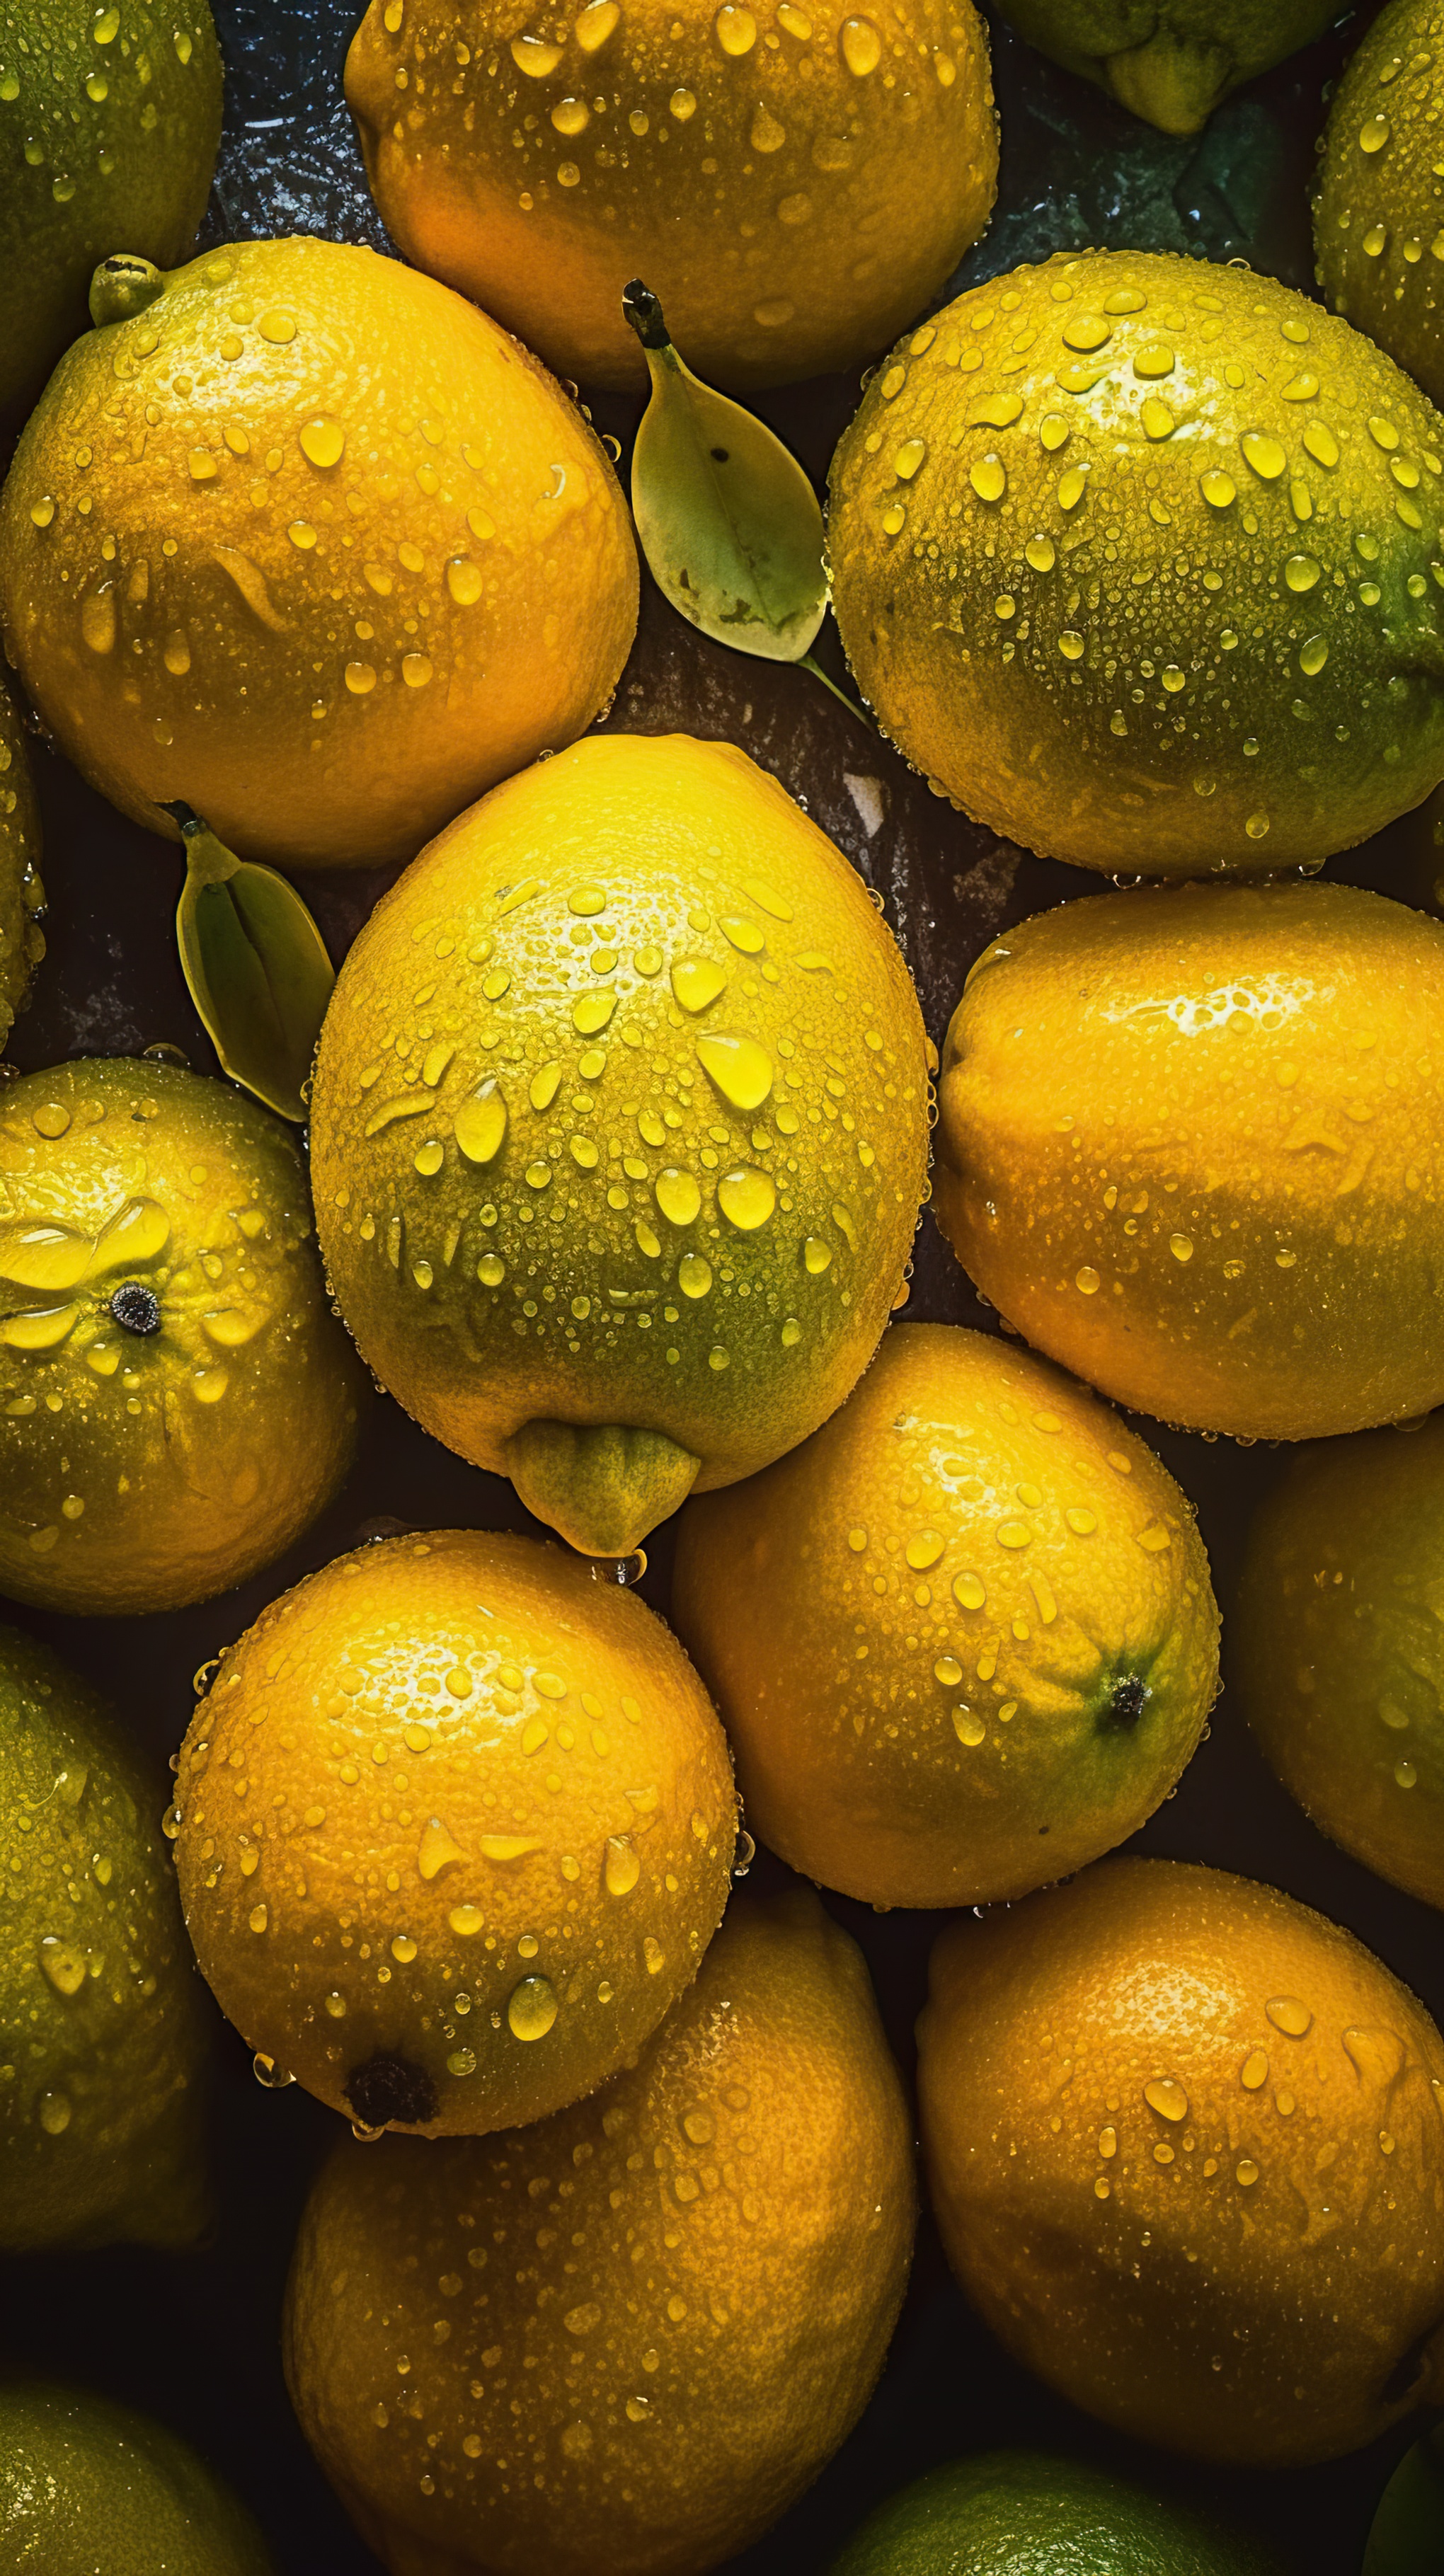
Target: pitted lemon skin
(456, 1826)
(313, 547)
(1132, 556)
(793, 187)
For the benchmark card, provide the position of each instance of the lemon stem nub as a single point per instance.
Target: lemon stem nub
(602, 1485)
(641, 309)
(122, 287)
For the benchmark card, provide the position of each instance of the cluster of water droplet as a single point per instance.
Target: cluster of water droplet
(662, 1130)
(766, 124)
(425, 1835)
(1379, 202)
(1177, 520)
(151, 70)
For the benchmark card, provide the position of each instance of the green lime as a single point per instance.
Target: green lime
(86, 2485)
(1022, 2513)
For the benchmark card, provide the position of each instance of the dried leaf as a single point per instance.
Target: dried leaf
(256, 965)
(729, 523)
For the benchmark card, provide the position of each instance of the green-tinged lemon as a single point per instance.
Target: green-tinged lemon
(101, 2084)
(86, 2484)
(176, 1403)
(1134, 556)
(963, 1639)
(1378, 196)
(1170, 61)
(1021, 2513)
(110, 118)
(620, 1130)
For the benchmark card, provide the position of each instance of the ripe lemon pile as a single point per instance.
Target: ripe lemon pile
(620, 1130)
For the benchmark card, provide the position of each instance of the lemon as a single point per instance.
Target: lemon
(1020, 2513)
(112, 120)
(311, 546)
(1153, 592)
(100, 2100)
(1183, 2143)
(1339, 1659)
(1170, 61)
(963, 1639)
(22, 896)
(1378, 204)
(793, 189)
(620, 1130)
(86, 2484)
(630, 2336)
(1187, 1144)
(175, 1402)
(456, 1822)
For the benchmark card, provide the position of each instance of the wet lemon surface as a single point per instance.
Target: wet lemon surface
(314, 547)
(669, 2303)
(1132, 557)
(793, 183)
(454, 1827)
(1182, 2137)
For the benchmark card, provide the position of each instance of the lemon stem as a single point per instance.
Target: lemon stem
(208, 861)
(122, 287)
(601, 1485)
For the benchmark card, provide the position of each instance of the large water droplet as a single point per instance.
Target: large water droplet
(481, 1123)
(531, 2008)
(738, 1065)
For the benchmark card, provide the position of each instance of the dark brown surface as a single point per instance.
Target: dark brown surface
(195, 2338)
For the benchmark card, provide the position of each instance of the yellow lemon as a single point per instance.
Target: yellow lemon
(100, 2107)
(1189, 1145)
(312, 546)
(86, 2484)
(1170, 61)
(629, 2336)
(620, 1131)
(1378, 211)
(111, 123)
(1339, 1659)
(456, 1822)
(22, 896)
(793, 186)
(1133, 556)
(176, 1404)
(1183, 2140)
(963, 1639)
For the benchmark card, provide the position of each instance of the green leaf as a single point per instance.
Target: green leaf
(1407, 2538)
(729, 523)
(256, 965)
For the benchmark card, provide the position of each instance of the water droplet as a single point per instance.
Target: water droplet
(277, 326)
(1086, 331)
(678, 1196)
(97, 620)
(1374, 134)
(360, 679)
(766, 134)
(1254, 2071)
(1290, 2016)
(694, 1275)
(1219, 490)
(415, 670)
(323, 441)
(861, 46)
(1301, 572)
(682, 104)
(481, 1123)
(988, 478)
(1268, 459)
(621, 1868)
(1087, 1281)
(1312, 656)
(531, 2008)
(265, 2070)
(534, 57)
(1245, 2171)
(923, 1549)
(817, 1255)
(967, 1725)
(1166, 2097)
(740, 1068)
(63, 1965)
(746, 1197)
(258, 1918)
(736, 29)
(466, 1921)
(54, 2114)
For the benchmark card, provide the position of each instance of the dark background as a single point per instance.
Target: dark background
(194, 2338)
